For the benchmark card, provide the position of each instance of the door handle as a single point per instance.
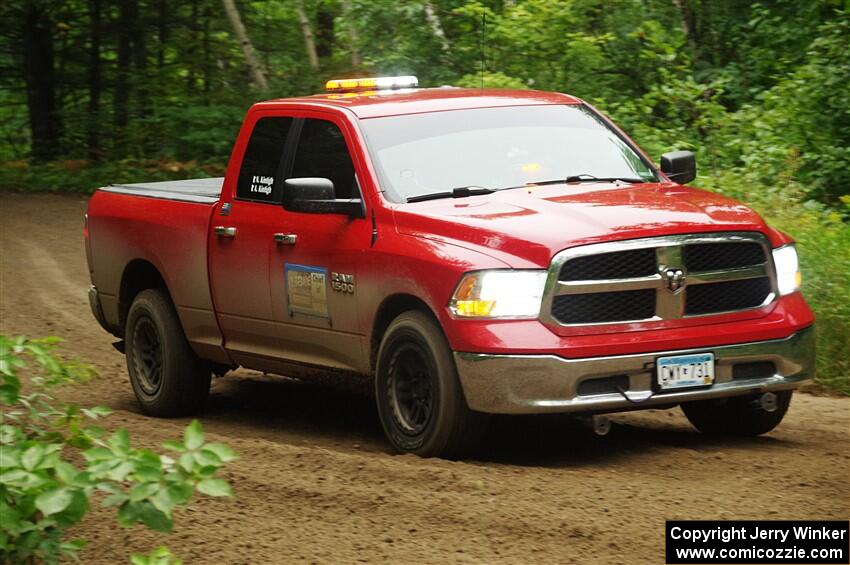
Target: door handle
(286, 238)
(224, 231)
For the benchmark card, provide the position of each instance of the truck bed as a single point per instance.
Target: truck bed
(204, 191)
(134, 229)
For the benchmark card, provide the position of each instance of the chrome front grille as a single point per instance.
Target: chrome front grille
(659, 278)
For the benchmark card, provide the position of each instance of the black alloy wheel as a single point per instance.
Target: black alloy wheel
(147, 352)
(168, 378)
(419, 396)
(410, 382)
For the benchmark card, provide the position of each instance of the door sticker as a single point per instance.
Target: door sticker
(306, 289)
(262, 184)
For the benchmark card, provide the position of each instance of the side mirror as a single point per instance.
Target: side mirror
(312, 195)
(680, 166)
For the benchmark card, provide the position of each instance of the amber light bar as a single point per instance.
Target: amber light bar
(375, 83)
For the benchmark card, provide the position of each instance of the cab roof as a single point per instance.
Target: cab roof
(377, 103)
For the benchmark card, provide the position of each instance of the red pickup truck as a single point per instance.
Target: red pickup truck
(473, 251)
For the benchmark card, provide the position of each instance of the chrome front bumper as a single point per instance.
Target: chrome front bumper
(530, 384)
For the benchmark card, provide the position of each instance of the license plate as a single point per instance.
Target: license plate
(684, 371)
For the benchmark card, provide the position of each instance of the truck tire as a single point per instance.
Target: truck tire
(168, 379)
(736, 416)
(420, 400)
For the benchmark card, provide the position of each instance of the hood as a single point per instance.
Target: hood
(525, 227)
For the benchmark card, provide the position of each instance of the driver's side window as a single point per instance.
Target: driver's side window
(322, 153)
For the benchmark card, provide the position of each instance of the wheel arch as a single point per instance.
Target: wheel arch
(390, 308)
(138, 275)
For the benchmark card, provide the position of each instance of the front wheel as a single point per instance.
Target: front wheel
(736, 415)
(420, 400)
(168, 379)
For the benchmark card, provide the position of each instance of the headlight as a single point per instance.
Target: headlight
(499, 294)
(788, 275)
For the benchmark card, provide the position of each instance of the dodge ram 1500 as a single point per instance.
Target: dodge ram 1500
(473, 251)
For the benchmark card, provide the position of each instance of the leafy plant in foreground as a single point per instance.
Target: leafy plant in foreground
(159, 556)
(43, 492)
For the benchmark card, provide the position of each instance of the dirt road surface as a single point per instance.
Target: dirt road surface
(317, 484)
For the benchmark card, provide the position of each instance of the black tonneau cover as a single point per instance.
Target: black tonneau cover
(204, 191)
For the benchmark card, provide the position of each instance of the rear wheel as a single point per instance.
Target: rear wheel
(736, 415)
(168, 379)
(419, 397)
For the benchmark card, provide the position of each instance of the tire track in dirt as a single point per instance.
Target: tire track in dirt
(55, 299)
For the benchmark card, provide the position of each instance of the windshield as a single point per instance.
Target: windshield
(421, 154)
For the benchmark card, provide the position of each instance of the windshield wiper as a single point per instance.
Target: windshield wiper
(579, 178)
(464, 191)
(460, 192)
(587, 178)
(591, 178)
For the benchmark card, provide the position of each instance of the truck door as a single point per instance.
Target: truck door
(314, 267)
(242, 240)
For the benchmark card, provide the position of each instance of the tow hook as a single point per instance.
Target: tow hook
(599, 423)
(766, 402)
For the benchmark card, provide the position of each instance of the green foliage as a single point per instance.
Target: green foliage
(489, 80)
(84, 176)
(159, 556)
(807, 116)
(43, 492)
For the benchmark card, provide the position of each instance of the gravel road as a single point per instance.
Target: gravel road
(315, 482)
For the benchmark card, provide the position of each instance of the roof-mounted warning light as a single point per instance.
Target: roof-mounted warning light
(377, 83)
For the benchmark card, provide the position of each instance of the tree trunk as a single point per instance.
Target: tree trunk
(325, 33)
(39, 78)
(254, 68)
(687, 21)
(307, 31)
(207, 58)
(162, 32)
(191, 50)
(121, 96)
(353, 37)
(436, 26)
(140, 84)
(95, 86)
